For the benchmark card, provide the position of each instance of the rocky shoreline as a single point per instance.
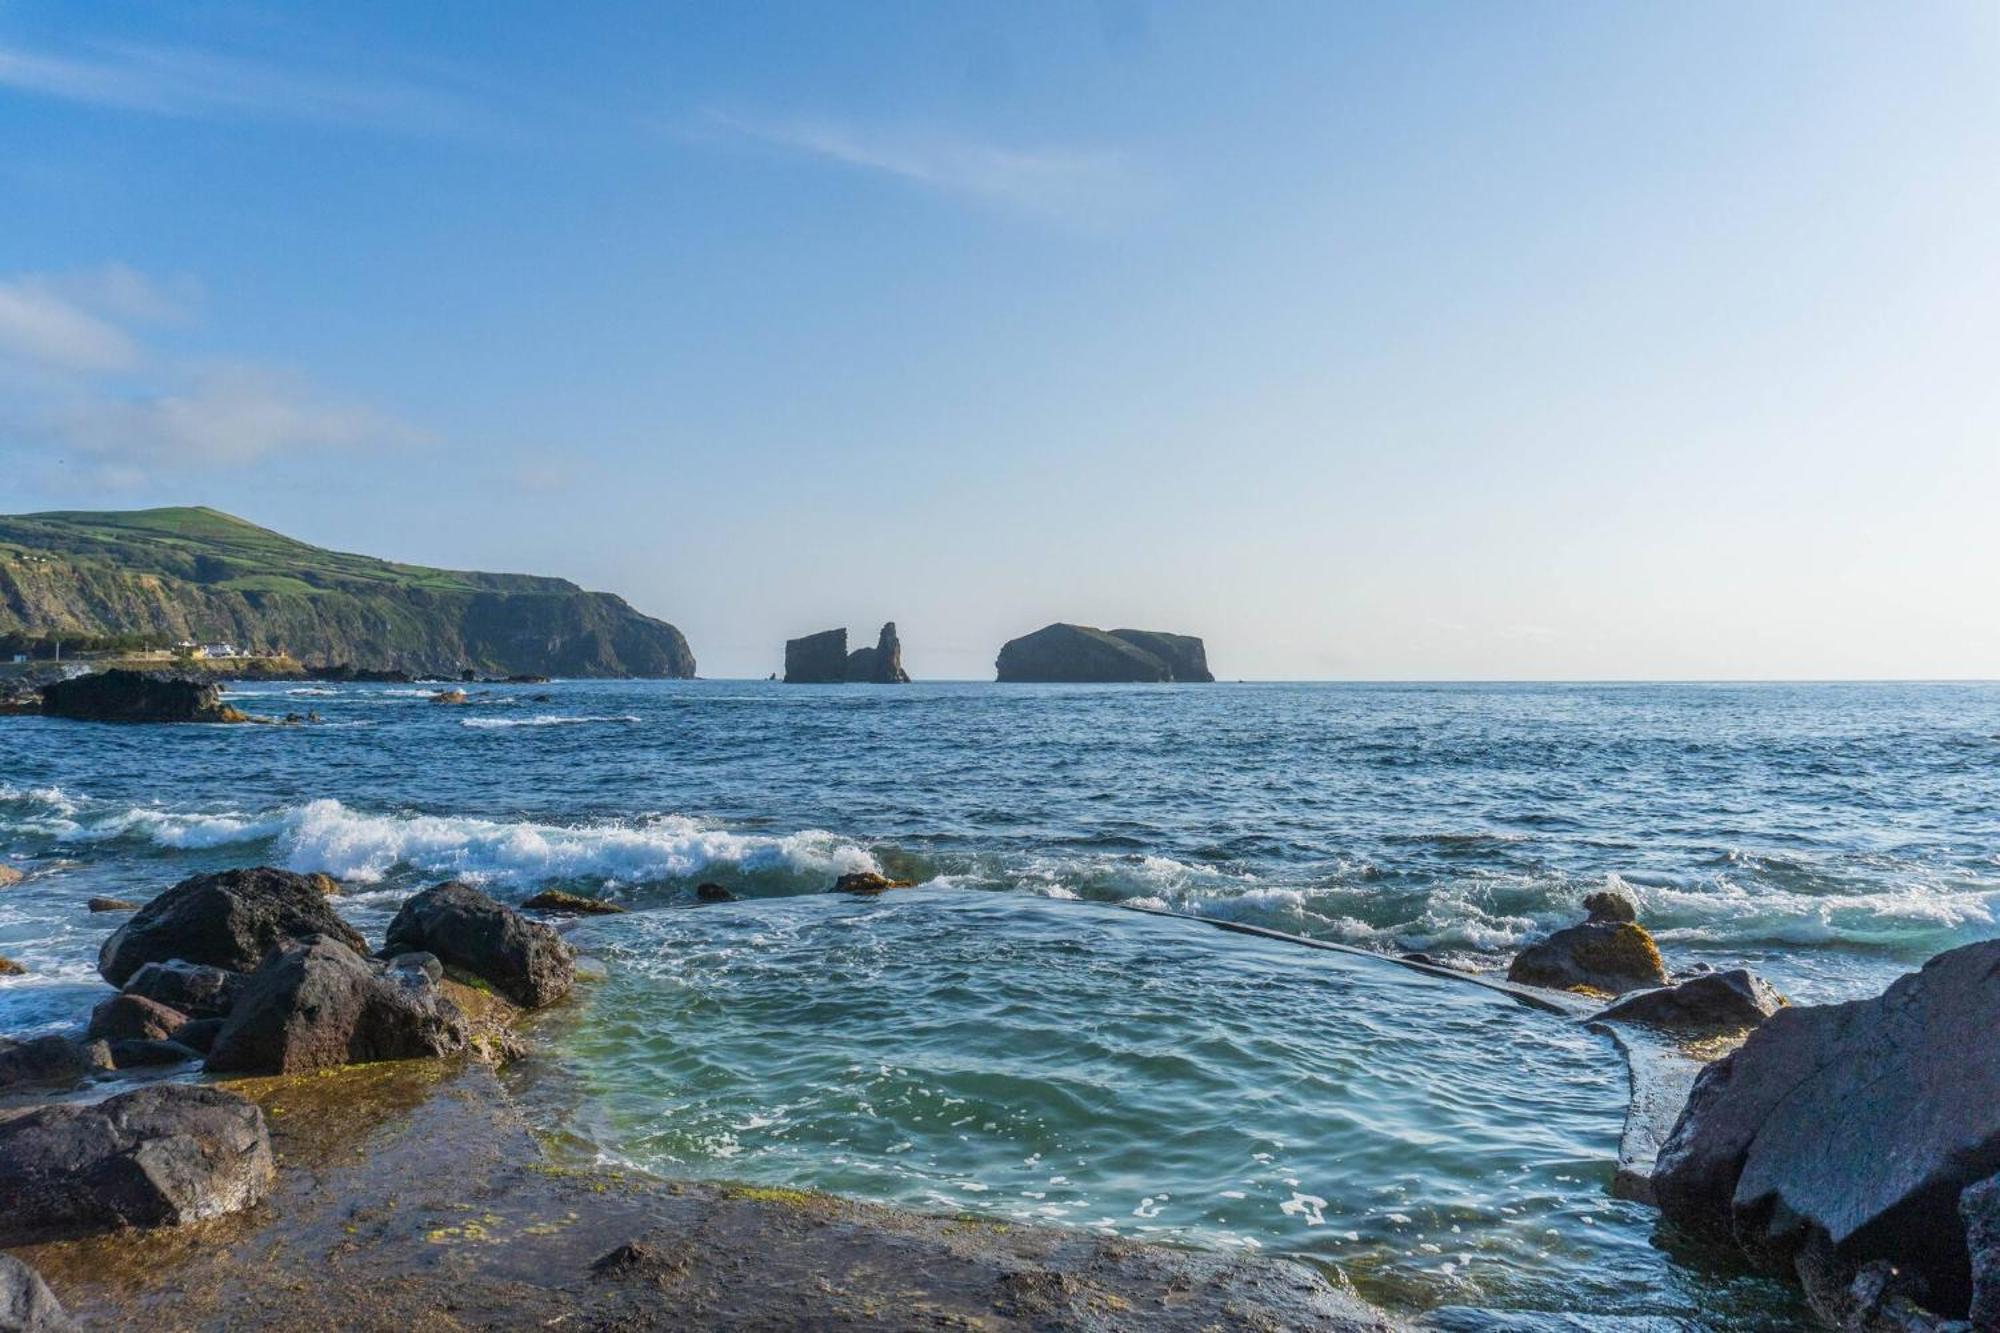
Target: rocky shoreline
(356, 1155)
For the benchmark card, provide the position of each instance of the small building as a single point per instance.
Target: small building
(217, 650)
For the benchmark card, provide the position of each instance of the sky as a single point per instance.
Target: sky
(1436, 340)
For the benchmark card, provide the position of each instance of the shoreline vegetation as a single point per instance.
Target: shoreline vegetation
(361, 1129)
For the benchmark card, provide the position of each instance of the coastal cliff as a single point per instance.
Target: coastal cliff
(198, 574)
(1063, 653)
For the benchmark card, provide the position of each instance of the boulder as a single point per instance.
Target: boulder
(317, 1004)
(54, 1060)
(198, 1034)
(470, 933)
(10, 968)
(713, 893)
(228, 920)
(1710, 1002)
(1842, 1135)
(137, 696)
(555, 900)
(817, 659)
(194, 989)
(9, 876)
(1979, 1207)
(1602, 956)
(1080, 654)
(868, 882)
(159, 1156)
(26, 1303)
(142, 1053)
(111, 905)
(134, 1017)
(880, 665)
(1607, 905)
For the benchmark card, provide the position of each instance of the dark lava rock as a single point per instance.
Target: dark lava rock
(159, 1156)
(1608, 906)
(141, 1053)
(868, 882)
(317, 1004)
(1979, 1207)
(26, 1303)
(193, 988)
(1711, 1002)
(880, 665)
(713, 893)
(469, 932)
(134, 1018)
(229, 920)
(1080, 654)
(1610, 957)
(817, 659)
(1840, 1135)
(555, 900)
(53, 1059)
(111, 905)
(137, 696)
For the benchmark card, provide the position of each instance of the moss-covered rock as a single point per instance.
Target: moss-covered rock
(1606, 957)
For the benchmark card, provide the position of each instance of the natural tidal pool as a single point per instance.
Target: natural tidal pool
(1069, 1063)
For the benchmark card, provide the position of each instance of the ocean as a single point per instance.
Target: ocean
(1005, 1040)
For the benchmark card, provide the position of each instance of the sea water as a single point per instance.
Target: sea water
(1004, 1041)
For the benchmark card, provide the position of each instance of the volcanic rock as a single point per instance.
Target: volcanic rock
(229, 920)
(868, 882)
(1602, 956)
(470, 933)
(26, 1303)
(158, 1156)
(555, 900)
(817, 659)
(1081, 654)
(193, 988)
(137, 696)
(1607, 905)
(51, 1059)
(880, 665)
(1709, 1002)
(134, 1017)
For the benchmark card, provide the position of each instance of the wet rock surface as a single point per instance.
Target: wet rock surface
(471, 933)
(415, 1197)
(867, 882)
(575, 904)
(49, 1061)
(318, 1004)
(159, 1156)
(1842, 1135)
(1603, 956)
(228, 920)
(1710, 1002)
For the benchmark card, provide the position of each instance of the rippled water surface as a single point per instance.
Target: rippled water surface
(986, 1044)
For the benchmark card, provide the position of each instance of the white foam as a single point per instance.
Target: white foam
(543, 720)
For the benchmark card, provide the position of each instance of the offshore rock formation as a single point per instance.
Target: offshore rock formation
(196, 574)
(880, 665)
(823, 659)
(137, 696)
(817, 659)
(1063, 653)
(1842, 1141)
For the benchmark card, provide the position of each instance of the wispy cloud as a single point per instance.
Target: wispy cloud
(178, 81)
(84, 383)
(1083, 186)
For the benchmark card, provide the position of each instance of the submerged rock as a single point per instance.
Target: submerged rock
(318, 1004)
(137, 696)
(1841, 1135)
(26, 1303)
(555, 900)
(713, 893)
(817, 659)
(470, 933)
(1710, 1002)
(54, 1060)
(1610, 957)
(111, 905)
(868, 882)
(228, 920)
(160, 1156)
(193, 988)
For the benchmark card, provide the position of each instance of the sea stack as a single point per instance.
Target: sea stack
(880, 665)
(817, 659)
(1063, 653)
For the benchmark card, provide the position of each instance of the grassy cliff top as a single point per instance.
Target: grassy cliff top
(207, 546)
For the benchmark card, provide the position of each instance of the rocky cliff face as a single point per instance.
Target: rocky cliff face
(880, 665)
(1063, 653)
(817, 659)
(197, 574)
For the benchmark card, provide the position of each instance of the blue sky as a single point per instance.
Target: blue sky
(1391, 340)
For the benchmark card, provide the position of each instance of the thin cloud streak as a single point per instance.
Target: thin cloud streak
(181, 82)
(1088, 187)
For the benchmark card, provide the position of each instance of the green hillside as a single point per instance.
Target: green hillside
(197, 573)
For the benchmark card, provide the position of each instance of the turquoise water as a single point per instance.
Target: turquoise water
(1004, 1040)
